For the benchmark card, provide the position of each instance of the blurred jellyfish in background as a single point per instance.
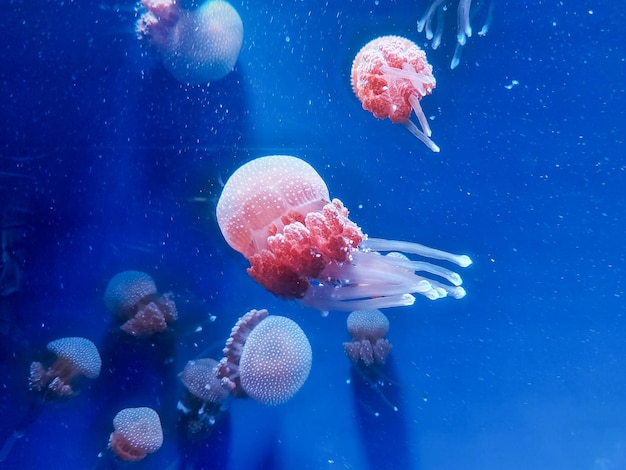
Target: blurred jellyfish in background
(196, 47)
(203, 398)
(138, 432)
(267, 358)
(436, 13)
(277, 212)
(368, 352)
(133, 296)
(368, 329)
(390, 75)
(74, 357)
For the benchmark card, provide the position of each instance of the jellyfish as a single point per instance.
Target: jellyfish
(133, 296)
(75, 357)
(267, 358)
(276, 211)
(390, 75)
(196, 47)
(203, 396)
(464, 28)
(137, 432)
(368, 329)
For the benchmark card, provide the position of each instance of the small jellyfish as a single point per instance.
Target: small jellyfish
(133, 296)
(196, 47)
(75, 357)
(368, 329)
(390, 75)
(204, 396)
(137, 432)
(266, 357)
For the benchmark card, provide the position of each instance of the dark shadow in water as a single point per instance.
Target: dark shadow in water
(378, 408)
(205, 450)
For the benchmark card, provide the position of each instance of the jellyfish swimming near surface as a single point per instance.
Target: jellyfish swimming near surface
(197, 47)
(276, 211)
(437, 9)
(390, 75)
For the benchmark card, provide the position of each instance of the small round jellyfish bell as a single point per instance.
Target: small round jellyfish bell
(133, 296)
(203, 396)
(200, 379)
(137, 432)
(390, 75)
(267, 358)
(277, 212)
(196, 47)
(368, 329)
(75, 357)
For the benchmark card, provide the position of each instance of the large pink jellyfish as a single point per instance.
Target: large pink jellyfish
(75, 357)
(464, 28)
(266, 357)
(390, 75)
(197, 47)
(277, 212)
(368, 329)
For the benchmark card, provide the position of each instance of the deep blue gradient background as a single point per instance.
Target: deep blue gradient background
(114, 165)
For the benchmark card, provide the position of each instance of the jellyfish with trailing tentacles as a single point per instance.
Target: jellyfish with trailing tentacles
(437, 10)
(277, 212)
(390, 75)
(196, 47)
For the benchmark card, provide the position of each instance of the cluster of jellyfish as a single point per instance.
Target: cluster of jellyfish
(390, 74)
(196, 46)
(267, 358)
(301, 246)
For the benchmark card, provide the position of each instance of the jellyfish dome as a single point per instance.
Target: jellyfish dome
(368, 329)
(137, 432)
(76, 356)
(196, 47)
(267, 357)
(390, 75)
(277, 212)
(133, 297)
(203, 397)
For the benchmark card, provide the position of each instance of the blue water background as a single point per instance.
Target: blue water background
(115, 165)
